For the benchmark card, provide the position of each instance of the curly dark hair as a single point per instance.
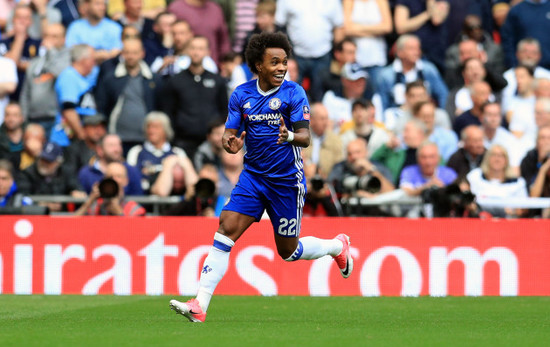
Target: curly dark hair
(259, 42)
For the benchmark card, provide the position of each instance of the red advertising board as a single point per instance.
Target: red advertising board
(156, 255)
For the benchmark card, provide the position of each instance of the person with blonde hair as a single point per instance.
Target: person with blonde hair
(495, 178)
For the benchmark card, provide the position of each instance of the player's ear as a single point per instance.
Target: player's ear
(259, 67)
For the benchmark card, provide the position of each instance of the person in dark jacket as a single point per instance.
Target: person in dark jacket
(127, 94)
(193, 98)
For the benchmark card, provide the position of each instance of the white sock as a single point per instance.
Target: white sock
(214, 268)
(310, 247)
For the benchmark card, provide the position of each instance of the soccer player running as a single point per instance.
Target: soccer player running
(273, 176)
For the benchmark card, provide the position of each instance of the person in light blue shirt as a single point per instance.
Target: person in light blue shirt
(427, 173)
(445, 139)
(103, 34)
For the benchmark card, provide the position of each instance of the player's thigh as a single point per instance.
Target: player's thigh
(284, 205)
(234, 224)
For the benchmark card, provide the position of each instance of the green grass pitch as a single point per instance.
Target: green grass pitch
(275, 321)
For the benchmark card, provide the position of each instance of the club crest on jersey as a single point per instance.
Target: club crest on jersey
(275, 103)
(306, 112)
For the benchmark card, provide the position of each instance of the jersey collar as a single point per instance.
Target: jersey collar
(269, 92)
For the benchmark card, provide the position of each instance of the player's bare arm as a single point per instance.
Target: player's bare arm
(231, 143)
(300, 138)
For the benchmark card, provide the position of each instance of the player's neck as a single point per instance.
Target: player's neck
(265, 86)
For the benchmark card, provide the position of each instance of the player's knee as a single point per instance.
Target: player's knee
(291, 255)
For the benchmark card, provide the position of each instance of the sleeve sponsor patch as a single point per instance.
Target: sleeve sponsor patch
(306, 112)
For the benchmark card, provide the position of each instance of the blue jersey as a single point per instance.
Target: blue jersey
(259, 113)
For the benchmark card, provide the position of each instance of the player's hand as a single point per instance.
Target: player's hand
(234, 143)
(283, 132)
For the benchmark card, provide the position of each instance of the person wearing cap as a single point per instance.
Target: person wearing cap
(118, 205)
(339, 104)
(80, 152)
(48, 176)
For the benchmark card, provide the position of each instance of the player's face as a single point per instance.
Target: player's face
(272, 70)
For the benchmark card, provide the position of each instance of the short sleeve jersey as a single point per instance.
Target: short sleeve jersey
(259, 113)
(75, 91)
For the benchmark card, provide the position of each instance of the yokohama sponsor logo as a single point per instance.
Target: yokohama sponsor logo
(165, 255)
(264, 117)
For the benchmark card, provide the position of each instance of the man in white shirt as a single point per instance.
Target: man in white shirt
(312, 26)
(8, 83)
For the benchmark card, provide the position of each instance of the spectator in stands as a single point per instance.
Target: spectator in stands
(240, 18)
(480, 92)
(534, 158)
(427, 172)
(178, 58)
(148, 157)
(214, 29)
(471, 154)
(11, 131)
(357, 165)
(409, 67)
(176, 177)
(489, 52)
(354, 84)
(495, 179)
(528, 54)
(38, 97)
(97, 31)
(395, 118)
(445, 139)
(34, 139)
(74, 95)
(321, 199)
(232, 166)
(43, 14)
(19, 46)
(209, 152)
(365, 126)
(69, 10)
(520, 108)
(232, 70)
(265, 21)
(312, 29)
(47, 176)
(425, 19)
(133, 16)
(326, 148)
(8, 82)
(109, 149)
(459, 99)
(193, 98)
(203, 198)
(367, 21)
(80, 152)
(395, 156)
(542, 112)
(526, 19)
(150, 8)
(127, 94)
(494, 133)
(9, 195)
(96, 205)
(344, 52)
(542, 87)
(541, 186)
(159, 45)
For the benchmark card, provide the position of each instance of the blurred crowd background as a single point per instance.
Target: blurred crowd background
(113, 107)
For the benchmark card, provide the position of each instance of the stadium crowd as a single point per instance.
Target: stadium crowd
(439, 99)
